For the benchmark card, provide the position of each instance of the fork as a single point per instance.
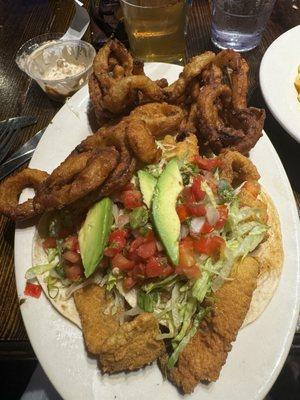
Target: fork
(9, 130)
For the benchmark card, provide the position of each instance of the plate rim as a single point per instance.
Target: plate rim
(268, 96)
(282, 357)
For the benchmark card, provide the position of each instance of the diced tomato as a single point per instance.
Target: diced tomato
(131, 199)
(187, 263)
(192, 272)
(72, 256)
(223, 215)
(71, 243)
(117, 234)
(136, 243)
(128, 283)
(49, 243)
(182, 212)
(121, 262)
(207, 163)
(196, 188)
(32, 290)
(207, 228)
(188, 195)
(146, 250)
(133, 257)
(154, 268)
(196, 210)
(209, 245)
(138, 271)
(186, 252)
(168, 270)
(74, 272)
(117, 242)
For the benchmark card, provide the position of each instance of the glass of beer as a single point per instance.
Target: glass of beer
(156, 29)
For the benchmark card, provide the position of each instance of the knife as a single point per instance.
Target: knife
(20, 156)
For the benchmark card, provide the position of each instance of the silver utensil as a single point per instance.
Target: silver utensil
(9, 130)
(22, 155)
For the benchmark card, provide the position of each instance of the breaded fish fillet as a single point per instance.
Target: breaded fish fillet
(91, 303)
(132, 346)
(206, 353)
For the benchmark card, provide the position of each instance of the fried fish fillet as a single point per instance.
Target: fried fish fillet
(206, 353)
(91, 302)
(132, 346)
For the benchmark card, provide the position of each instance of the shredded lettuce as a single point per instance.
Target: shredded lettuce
(225, 191)
(39, 269)
(189, 310)
(51, 254)
(195, 324)
(111, 281)
(147, 301)
(209, 193)
(187, 170)
(202, 286)
(165, 283)
(52, 288)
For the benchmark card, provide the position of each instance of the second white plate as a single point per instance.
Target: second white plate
(277, 74)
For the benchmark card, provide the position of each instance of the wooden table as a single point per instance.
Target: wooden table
(19, 95)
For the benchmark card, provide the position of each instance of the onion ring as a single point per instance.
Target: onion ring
(236, 168)
(208, 111)
(160, 118)
(238, 77)
(78, 175)
(11, 188)
(142, 142)
(194, 68)
(102, 65)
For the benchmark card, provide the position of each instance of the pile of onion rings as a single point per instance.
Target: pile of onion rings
(208, 99)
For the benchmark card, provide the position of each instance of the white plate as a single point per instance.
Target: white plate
(277, 74)
(260, 349)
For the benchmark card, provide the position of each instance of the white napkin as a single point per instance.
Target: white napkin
(40, 388)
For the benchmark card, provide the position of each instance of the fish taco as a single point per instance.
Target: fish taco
(160, 253)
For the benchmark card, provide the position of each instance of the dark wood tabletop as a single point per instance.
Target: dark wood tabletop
(21, 20)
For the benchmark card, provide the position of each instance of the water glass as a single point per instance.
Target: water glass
(239, 24)
(155, 29)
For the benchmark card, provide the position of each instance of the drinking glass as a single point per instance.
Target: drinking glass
(156, 29)
(239, 24)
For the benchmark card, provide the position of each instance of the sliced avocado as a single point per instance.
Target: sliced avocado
(147, 185)
(93, 234)
(166, 220)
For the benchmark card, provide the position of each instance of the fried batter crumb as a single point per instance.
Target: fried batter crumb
(91, 302)
(133, 346)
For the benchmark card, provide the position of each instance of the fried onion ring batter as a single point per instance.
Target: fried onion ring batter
(238, 77)
(160, 118)
(236, 168)
(77, 176)
(193, 69)
(11, 189)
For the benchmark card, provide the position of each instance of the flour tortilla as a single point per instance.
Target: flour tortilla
(64, 306)
(269, 254)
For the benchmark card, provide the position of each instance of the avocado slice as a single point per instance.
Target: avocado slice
(147, 185)
(93, 234)
(165, 218)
